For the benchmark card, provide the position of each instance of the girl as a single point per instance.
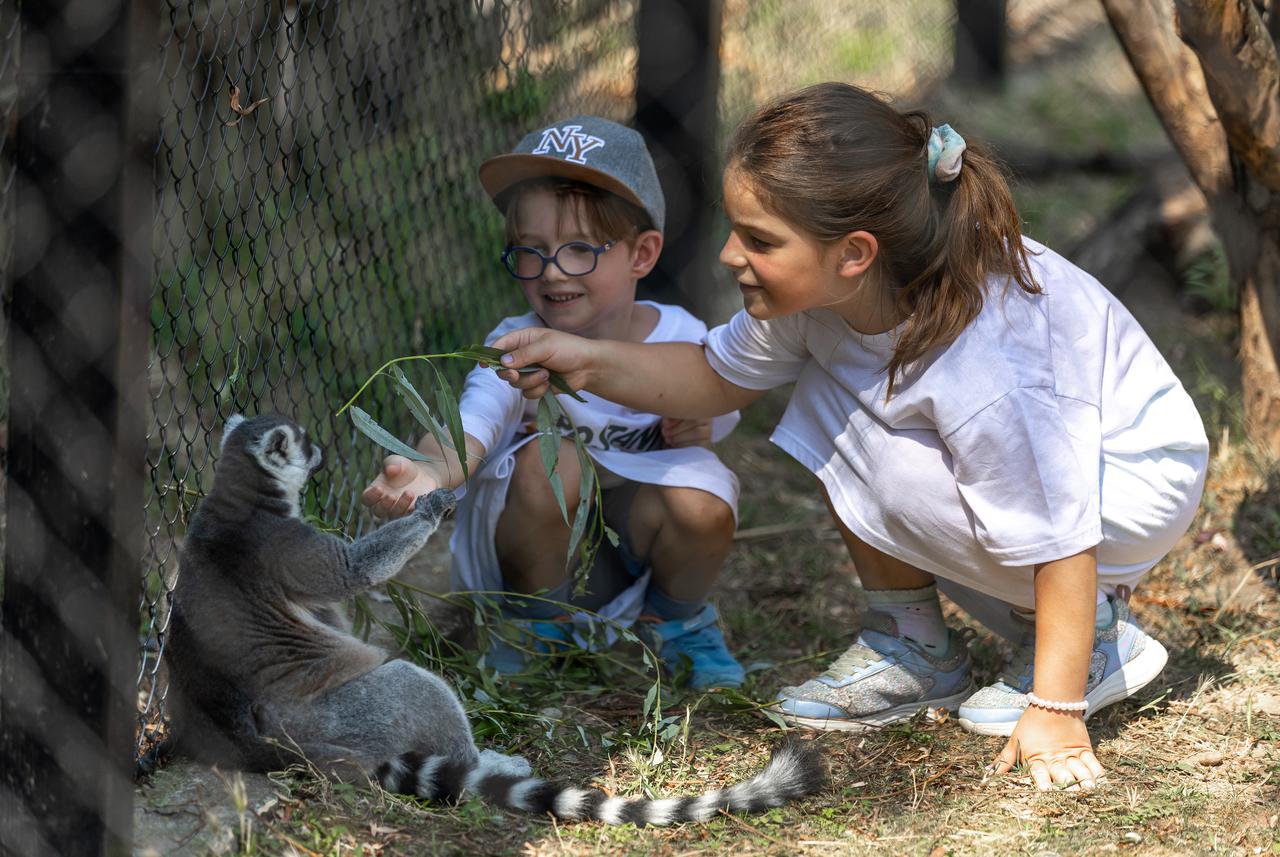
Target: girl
(983, 417)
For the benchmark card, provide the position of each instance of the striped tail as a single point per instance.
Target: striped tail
(794, 771)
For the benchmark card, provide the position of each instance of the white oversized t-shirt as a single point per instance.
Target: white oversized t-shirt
(991, 451)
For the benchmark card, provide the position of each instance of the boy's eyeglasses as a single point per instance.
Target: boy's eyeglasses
(575, 259)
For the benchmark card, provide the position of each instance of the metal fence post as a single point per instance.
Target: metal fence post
(78, 340)
(677, 80)
(981, 41)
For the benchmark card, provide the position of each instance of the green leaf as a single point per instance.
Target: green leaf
(384, 438)
(649, 699)
(448, 406)
(418, 407)
(487, 354)
(586, 490)
(549, 447)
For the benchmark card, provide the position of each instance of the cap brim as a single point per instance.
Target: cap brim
(499, 174)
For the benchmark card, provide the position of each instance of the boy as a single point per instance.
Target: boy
(584, 217)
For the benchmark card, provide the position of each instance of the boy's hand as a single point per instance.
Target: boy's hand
(401, 481)
(570, 355)
(681, 433)
(1056, 749)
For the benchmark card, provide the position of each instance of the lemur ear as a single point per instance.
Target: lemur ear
(277, 442)
(232, 421)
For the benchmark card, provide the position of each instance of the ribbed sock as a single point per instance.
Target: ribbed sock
(535, 608)
(918, 614)
(662, 605)
(1104, 614)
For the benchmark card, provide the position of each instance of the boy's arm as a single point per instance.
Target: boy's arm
(402, 481)
(671, 379)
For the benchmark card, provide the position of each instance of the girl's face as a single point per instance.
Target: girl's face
(591, 304)
(783, 270)
(780, 270)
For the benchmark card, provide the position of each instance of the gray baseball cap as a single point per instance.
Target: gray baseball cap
(586, 148)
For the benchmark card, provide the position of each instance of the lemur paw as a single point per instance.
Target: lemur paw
(436, 504)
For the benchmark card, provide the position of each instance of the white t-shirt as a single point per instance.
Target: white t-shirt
(625, 444)
(494, 412)
(1011, 422)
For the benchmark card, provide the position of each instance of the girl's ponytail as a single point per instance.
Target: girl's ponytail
(835, 159)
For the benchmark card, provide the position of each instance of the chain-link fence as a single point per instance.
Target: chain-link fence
(318, 213)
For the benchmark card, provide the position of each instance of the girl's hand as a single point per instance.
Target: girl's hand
(681, 433)
(392, 493)
(1055, 747)
(571, 356)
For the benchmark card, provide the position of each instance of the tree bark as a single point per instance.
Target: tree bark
(1239, 62)
(1259, 321)
(1218, 97)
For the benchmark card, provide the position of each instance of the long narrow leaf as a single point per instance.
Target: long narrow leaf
(549, 447)
(586, 491)
(384, 438)
(418, 407)
(493, 356)
(412, 398)
(448, 406)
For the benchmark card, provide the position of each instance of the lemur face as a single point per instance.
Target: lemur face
(279, 446)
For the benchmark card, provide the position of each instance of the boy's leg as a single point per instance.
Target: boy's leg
(684, 534)
(904, 658)
(531, 540)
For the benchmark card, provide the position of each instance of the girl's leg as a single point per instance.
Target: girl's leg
(904, 658)
(898, 589)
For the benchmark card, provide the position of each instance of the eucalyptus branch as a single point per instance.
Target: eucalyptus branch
(587, 529)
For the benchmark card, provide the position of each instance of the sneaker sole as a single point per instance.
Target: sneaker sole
(889, 716)
(1117, 687)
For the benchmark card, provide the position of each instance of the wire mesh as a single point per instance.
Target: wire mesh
(774, 46)
(9, 48)
(318, 213)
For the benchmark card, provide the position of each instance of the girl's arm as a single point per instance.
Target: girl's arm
(1055, 745)
(671, 379)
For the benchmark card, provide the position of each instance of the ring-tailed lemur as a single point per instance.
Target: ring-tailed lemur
(263, 665)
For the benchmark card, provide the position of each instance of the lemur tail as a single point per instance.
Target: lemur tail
(794, 771)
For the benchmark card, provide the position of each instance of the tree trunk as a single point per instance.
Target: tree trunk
(1215, 92)
(1259, 323)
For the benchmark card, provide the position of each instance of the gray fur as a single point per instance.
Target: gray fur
(263, 665)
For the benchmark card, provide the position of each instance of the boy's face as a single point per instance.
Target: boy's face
(585, 304)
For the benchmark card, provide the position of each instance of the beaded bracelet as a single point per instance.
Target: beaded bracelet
(1052, 705)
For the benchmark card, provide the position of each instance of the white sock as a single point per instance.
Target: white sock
(918, 614)
(1103, 614)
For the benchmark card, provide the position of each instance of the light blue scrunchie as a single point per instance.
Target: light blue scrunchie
(945, 149)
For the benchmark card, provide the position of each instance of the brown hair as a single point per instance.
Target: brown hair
(834, 159)
(607, 216)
